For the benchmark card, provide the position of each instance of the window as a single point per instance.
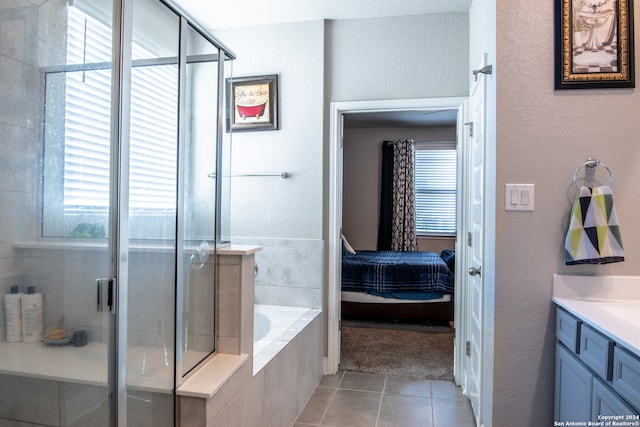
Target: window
(76, 187)
(87, 127)
(435, 188)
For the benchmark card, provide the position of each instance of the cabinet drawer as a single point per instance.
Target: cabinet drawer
(626, 376)
(567, 330)
(596, 351)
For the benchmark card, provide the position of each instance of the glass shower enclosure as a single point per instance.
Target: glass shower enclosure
(115, 197)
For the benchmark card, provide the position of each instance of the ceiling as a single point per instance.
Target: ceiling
(212, 15)
(385, 119)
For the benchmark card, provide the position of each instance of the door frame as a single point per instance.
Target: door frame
(334, 252)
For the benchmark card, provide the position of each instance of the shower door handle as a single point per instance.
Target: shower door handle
(106, 294)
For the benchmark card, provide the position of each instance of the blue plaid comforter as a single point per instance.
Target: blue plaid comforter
(388, 272)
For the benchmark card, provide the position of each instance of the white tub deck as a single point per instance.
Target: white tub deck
(285, 323)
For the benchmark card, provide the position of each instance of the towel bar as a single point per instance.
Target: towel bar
(592, 163)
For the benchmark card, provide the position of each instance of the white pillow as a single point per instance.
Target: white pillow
(347, 245)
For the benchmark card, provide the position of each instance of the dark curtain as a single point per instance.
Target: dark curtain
(386, 198)
(396, 230)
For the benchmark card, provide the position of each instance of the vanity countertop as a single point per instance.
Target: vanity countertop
(610, 304)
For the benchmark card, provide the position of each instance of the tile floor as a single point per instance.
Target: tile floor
(353, 399)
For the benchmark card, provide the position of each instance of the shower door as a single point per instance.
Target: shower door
(71, 249)
(112, 126)
(109, 216)
(106, 257)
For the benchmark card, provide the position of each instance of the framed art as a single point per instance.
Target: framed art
(594, 44)
(252, 103)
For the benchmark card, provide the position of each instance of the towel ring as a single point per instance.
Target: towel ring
(591, 163)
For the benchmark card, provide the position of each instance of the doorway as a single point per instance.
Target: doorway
(464, 246)
(337, 118)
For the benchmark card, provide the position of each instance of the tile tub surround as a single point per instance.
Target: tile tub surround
(289, 271)
(273, 397)
(227, 391)
(234, 319)
(611, 304)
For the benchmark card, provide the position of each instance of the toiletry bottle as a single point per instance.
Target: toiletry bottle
(13, 310)
(32, 317)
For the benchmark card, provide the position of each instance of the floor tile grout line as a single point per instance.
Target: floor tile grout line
(333, 395)
(360, 390)
(433, 414)
(384, 386)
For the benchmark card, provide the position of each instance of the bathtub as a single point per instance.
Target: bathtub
(273, 327)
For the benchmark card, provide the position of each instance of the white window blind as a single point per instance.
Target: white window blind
(435, 189)
(153, 125)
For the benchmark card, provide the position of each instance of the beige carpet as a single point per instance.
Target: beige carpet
(417, 351)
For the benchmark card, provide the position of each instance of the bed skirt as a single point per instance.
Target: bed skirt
(421, 311)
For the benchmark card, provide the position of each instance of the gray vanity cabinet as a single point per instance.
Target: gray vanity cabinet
(606, 402)
(585, 378)
(573, 388)
(626, 375)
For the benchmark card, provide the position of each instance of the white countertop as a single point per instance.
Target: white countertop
(610, 304)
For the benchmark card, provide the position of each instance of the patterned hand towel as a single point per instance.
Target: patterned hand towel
(593, 236)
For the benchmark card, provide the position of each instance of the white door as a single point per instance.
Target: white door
(475, 244)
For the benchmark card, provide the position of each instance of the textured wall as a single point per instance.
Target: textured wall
(282, 215)
(394, 58)
(361, 177)
(270, 206)
(542, 137)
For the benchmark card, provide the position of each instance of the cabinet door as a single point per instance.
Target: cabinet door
(626, 376)
(573, 388)
(605, 402)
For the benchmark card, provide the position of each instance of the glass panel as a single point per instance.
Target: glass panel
(152, 219)
(58, 224)
(57, 369)
(200, 199)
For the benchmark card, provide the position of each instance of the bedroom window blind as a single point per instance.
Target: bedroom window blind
(435, 188)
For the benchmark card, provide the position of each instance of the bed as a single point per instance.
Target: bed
(415, 286)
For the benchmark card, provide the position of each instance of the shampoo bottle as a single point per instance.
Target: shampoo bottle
(32, 317)
(13, 310)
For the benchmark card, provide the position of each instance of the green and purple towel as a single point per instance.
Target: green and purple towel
(593, 236)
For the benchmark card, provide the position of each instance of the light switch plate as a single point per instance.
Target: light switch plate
(518, 197)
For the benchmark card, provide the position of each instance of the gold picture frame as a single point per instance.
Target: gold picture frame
(594, 44)
(252, 103)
